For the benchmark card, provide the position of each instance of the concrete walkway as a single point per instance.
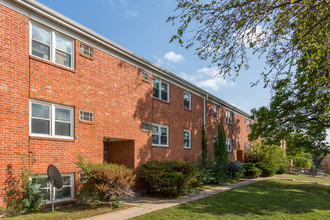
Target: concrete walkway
(144, 204)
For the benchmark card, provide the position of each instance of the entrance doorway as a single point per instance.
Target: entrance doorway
(119, 151)
(240, 156)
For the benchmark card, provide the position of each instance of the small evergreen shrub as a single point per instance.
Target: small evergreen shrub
(238, 173)
(251, 171)
(106, 183)
(169, 178)
(266, 169)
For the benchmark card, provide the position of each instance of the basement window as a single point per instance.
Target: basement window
(86, 116)
(42, 184)
(86, 50)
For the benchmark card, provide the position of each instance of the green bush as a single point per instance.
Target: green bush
(281, 170)
(106, 183)
(303, 160)
(272, 155)
(169, 178)
(251, 171)
(266, 169)
(238, 173)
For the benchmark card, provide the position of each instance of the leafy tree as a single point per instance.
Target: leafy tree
(294, 38)
(220, 154)
(303, 160)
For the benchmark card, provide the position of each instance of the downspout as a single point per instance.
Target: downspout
(207, 96)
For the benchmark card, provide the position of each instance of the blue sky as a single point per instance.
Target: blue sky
(141, 27)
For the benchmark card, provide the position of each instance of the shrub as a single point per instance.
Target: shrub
(266, 169)
(238, 173)
(303, 160)
(106, 183)
(281, 170)
(325, 164)
(272, 155)
(251, 171)
(169, 178)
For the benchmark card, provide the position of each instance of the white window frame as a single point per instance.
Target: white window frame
(217, 111)
(159, 135)
(188, 93)
(189, 132)
(160, 88)
(52, 107)
(72, 182)
(90, 116)
(248, 124)
(229, 144)
(52, 46)
(215, 139)
(229, 117)
(248, 146)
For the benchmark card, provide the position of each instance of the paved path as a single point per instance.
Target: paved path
(144, 204)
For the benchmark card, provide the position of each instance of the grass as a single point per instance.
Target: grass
(269, 199)
(69, 212)
(303, 178)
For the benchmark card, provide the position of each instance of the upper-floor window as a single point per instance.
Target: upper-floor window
(248, 146)
(187, 100)
(248, 124)
(229, 117)
(215, 112)
(159, 135)
(228, 144)
(160, 90)
(187, 139)
(86, 50)
(51, 120)
(51, 45)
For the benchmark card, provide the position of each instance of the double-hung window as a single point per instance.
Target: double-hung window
(42, 184)
(187, 139)
(228, 144)
(248, 146)
(159, 135)
(187, 100)
(51, 45)
(216, 112)
(229, 117)
(160, 90)
(248, 124)
(51, 120)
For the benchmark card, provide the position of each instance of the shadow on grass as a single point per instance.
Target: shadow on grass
(264, 198)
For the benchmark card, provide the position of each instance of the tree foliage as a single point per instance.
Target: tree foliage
(220, 154)
(294, 38)
(204, 147)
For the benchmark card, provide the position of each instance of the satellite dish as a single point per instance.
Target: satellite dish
(55, 177)
(56, 180)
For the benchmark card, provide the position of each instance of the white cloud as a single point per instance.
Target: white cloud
(159, 60)
(173, 57)
(189, 77)
(215, 83)
(131, 13)
(210, 71)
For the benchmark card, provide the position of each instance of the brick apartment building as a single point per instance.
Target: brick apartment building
(65, 89)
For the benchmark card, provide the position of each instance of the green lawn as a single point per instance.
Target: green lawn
(270, 199)
(70, 212)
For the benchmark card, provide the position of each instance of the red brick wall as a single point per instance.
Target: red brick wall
(110, 88)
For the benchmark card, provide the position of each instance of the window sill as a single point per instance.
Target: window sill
(146, 131)
(160, 146)
(51, 139)
(86, 122)
(146, 81)
(166, 102)
(187, 148)
(187, 109)
(85, 56)
(52, 64)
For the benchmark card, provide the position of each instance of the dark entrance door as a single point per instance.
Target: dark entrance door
(240, 155)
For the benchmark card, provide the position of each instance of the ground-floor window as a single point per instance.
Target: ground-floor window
(65, 194)
(159, 135)
(228, 144)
